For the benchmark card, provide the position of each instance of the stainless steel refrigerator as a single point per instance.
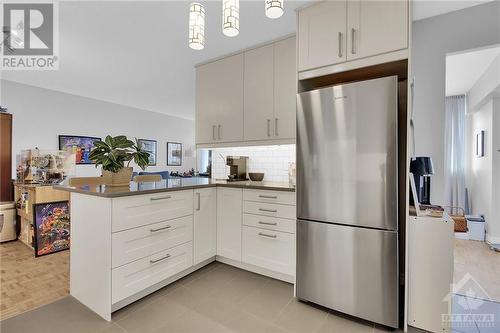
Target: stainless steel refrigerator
(347, 196)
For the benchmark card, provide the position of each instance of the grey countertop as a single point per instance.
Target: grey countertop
(172, 184)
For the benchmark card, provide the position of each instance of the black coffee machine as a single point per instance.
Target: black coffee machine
(422, 170)
(237, 168)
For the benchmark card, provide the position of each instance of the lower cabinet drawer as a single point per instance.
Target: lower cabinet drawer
(269, 209)
(271, 223)
(272, 250)
(143, 273)
(133, 244)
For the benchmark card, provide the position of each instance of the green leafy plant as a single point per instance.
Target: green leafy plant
(114, 152)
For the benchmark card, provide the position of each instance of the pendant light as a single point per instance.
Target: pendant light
(196, 26)
(230, 17)
(274, 8)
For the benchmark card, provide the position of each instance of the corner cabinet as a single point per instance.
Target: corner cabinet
(229, 210)
(334, 32)
(248, 97)
(219, 101)
(205, 224)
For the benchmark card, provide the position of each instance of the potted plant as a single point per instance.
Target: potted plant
(113, 153)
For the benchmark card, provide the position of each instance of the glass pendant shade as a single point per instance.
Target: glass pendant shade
(196, 26)
(230, 17)
(274, 8)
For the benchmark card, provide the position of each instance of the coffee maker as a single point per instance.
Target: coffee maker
(237, 168)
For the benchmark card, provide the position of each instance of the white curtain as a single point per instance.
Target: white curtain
(455, 151)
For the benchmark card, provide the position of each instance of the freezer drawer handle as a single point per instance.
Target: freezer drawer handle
(161, 198)
(160, 229)
(154, 261)
(268, 223)
(268, 196)
(268, 210)
(267, 235)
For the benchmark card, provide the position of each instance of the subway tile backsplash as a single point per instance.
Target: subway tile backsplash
(272, 160)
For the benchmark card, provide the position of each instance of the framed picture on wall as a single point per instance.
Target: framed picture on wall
(174, 154)
(78, 145)
(51, 224)
(480, 144)
(150, 147)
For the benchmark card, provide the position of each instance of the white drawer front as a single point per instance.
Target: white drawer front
(267, 209)
(143, 273)
(137, 243)
(270, 223)
(136, 211)
(281, 197)
(268, 249)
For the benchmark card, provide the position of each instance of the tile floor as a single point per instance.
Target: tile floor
(217, 298)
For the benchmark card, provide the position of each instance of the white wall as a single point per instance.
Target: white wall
(494, 230)
(479, 172)
(40, 115)
(272, 160)
(432, 39)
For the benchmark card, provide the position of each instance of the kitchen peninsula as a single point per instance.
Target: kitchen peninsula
(129, 242)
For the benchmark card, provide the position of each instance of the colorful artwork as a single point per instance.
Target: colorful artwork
(52, 227)
(150, 147)
(78, 145)
(174, 153)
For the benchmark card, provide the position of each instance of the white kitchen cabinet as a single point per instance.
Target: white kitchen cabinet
(285, 89)
(273, 250)
(219, 101)
(205, 224)
(334, 32)
(376, 27)
(229, 216)
(259, 93)
(322, 34)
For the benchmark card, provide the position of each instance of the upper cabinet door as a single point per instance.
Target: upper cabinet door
(322, 35)
(285, 89)
(259, 93)
(206, 104)
(376, 27)
(228, 81)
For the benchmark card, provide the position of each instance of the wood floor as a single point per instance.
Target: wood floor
(27, 282)
(483, 265)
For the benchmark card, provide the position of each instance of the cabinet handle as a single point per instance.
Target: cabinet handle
(340, 44)
(276, 127)
(159, 259)
(160, 229)
(161, 198)
(353, 41)
(199, 201)
(213, 132)
(269, 127)
(268, 223)
(268, 196)
(268, 210)
(219, 132)
(267, 235)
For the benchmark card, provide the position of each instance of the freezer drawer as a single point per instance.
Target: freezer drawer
(349, 269)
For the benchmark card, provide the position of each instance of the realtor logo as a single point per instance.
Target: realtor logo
(30, 36)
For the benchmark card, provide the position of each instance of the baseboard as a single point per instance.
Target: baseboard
(256, 269)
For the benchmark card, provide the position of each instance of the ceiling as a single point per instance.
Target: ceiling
(464, 69)
(135, 53)
(428, 8)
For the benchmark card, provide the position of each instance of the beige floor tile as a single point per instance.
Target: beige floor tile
(112, 329)
(243, 322)
(301, 317)
(338, 323)
(190, 297)
(216, 309)
(189, 322)
(268, 301)
(199, 273)
(152, 317)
